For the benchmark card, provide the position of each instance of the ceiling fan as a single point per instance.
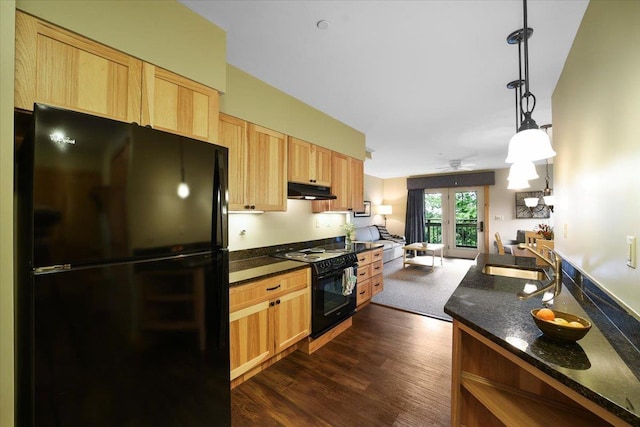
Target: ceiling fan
(457, 165)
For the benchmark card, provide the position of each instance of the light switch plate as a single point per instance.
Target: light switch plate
(631, 251)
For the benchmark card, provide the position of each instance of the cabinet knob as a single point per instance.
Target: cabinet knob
(271, 304)
(277, 301)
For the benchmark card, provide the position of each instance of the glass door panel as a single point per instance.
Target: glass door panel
(454, 216)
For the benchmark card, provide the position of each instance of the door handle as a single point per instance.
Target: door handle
(481, 226)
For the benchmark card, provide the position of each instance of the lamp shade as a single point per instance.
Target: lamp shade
(529, 145)
(385, 210)
(531, 202)
(549, 200)
(518, 184)
(522, 171)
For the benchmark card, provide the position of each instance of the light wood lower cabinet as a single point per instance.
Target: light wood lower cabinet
(370, 276)
(493, 387)
(267, 317)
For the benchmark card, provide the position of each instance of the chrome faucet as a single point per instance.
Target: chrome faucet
(556, 281)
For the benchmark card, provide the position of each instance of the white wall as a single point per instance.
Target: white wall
(596, 127)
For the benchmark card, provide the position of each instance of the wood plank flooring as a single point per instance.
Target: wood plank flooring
(391, 368)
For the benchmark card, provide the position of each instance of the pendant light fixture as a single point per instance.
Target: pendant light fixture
(530, 143)
(183, 187)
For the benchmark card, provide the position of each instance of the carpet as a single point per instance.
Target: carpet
(420, 289)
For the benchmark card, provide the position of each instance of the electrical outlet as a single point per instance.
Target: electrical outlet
(318, 223)
(631, 251)
(565, 230)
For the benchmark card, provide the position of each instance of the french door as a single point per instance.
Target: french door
(455, 217)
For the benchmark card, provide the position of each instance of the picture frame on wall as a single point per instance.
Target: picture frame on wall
(541, 210)
(365, 212)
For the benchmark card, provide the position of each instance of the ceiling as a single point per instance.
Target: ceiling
(425, 81)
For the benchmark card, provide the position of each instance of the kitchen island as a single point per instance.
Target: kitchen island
(506, 373)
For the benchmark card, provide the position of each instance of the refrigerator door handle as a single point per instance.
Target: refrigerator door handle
(51, 268)
(220, 225)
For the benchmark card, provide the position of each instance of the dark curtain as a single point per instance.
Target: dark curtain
(414, 222)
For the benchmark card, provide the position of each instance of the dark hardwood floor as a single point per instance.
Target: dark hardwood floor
(391, 368)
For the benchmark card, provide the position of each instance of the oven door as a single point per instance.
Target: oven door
(330, 304)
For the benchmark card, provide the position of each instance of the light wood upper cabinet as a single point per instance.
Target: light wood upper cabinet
(356, 184)
(257, 165)
(347, 184)
(267, 189)
(232, 133)
(309, 163)
(178, 105)
(57, 67)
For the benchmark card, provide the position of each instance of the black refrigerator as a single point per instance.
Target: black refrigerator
(123, 275)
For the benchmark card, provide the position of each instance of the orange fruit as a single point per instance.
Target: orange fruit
(575, 324)
(545, 314)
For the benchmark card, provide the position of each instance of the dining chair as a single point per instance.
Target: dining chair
(530, 238)
(499, 244)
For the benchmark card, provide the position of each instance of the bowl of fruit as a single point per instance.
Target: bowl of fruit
(560, 326)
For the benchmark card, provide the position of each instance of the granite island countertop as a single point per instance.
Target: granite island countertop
(600, 366)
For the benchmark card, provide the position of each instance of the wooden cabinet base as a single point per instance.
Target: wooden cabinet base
(493, 387)
(264, 365)
(312, 344)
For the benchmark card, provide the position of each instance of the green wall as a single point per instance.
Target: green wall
(595, 131)
(7, 57)
(164, 33)
(253, 100)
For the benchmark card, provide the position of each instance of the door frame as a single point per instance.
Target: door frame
(448, 220)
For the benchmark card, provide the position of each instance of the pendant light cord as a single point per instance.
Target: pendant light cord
(527, 98)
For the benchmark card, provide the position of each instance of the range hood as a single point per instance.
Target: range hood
(309, 192)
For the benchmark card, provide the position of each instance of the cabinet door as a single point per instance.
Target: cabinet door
(267, 180)
(377, 284)
(176, 104)
(300, 161)
(249, 343)
(356, 184)
(292, 313)
(232, 133)
(363, 291)
(322, 158)
(340, 182)
(56, 67)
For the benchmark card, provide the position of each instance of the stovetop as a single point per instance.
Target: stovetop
(312, 254)
(322, 260)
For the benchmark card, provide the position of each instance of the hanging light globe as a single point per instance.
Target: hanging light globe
(518, 184)
(522, 171)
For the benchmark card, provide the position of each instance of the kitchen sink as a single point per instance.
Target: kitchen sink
(515, 272)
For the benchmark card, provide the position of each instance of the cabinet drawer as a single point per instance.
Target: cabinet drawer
(376, 268)
(364, 258)
(364, 272)
(377, 284)
(364, 291)
(376, 255)
(246, 295)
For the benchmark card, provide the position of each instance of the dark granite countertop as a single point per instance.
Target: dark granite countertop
(249, 269)
(602, 366)
(246, 270)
